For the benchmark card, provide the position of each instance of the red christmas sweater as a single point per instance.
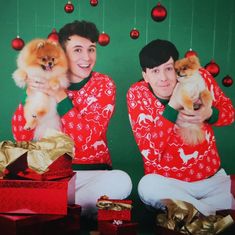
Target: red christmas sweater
(85, 115)
(163, 152)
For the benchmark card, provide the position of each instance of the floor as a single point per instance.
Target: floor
(146, 221)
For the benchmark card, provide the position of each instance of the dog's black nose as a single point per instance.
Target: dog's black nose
(50, 64)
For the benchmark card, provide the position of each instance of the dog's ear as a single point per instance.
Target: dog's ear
(40, 44)
(194, 60)
(52, 42)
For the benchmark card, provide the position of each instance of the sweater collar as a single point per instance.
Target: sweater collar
(79, 85)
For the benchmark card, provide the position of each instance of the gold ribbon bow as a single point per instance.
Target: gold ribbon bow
(105, 204)
(184, 218)
(40, 154)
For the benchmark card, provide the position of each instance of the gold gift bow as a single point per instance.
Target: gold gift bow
(40, 154)
(184, 218)
(110, 205)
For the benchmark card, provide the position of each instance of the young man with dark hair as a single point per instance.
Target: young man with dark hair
(173, 169)
(85, 108)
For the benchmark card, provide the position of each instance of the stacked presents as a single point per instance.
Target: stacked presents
(114, 217)
(37, 187)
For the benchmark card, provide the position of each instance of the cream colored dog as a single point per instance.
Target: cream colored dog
(41, 58)
(191, 93)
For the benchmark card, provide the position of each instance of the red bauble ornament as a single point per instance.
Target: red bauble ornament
(94, 2)
(134, 34)
(159, 13)
(17, 43)
(53, 36)
(104, 39)
(213, 68)
(69, 7)
(189, 53)
(227, 81)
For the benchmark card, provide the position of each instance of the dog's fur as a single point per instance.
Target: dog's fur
(191, 86)
(41, 58)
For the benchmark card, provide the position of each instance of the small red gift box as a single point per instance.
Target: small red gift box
(42, 224)
(60, 168)
(114, 209)
(37, 197)
(110, 228)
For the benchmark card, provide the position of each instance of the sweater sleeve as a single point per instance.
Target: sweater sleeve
(223, 110)
(18, 122)
(150, 128)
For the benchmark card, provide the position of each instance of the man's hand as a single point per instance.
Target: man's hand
(195, 117)
(174, 101)
(43, 86)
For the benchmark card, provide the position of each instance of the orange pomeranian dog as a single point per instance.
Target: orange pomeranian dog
(191, 92)
(41, 59)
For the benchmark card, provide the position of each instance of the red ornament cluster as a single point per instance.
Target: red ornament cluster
(227, 81)
(17, 43)
(159, 13)
(213, 68)
(53, 36)
(134, 34)
(69, 7)
(104, 39)
(94, 2)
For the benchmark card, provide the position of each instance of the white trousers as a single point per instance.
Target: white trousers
(207, 195)
(91, 185)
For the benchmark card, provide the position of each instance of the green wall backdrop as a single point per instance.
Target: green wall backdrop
(208, 26)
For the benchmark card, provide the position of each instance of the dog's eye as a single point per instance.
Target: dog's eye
(185, 68)
(44, 59)
(53, 59)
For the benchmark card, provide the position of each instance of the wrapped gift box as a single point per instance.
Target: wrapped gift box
(37, 197)
(42, 224)
(110, 228)
(47, 159)
(110, 209)
(60, 168)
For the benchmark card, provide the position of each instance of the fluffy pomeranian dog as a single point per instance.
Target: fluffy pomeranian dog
(191, 94)
(41, 58)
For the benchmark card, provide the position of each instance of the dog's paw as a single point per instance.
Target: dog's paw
(54, 84)
(27, 128)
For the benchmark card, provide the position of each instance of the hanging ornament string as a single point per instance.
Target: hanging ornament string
(190, 52)
(135, 15)
(36, 24)
(17, 18)
(17, 43)
(104, 38)
(53, 35)
(134, 34)
(169, 28)
(192, 25)
(103, 15)
(147, 23)
(214, 30)
(230, 31)
(54, 14)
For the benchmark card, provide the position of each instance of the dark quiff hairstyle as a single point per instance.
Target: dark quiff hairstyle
(83, 28)
(157, 52)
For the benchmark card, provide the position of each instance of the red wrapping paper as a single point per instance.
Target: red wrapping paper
(108, 228)
(37, 197)
(42, 224)
(124, 215)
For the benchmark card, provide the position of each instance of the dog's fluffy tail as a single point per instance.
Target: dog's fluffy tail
(192, 135)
